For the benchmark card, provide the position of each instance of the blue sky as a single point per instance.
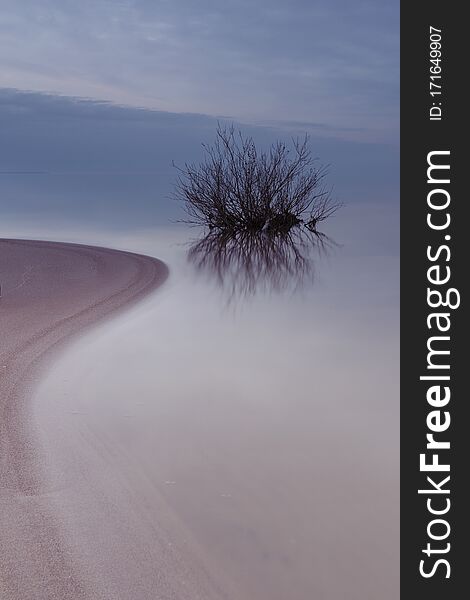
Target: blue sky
(328, 65)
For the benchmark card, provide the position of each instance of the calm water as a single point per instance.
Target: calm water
(269, 426)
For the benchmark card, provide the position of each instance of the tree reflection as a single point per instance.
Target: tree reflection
(245, 262)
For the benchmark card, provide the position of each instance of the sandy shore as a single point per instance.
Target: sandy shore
(50, 293)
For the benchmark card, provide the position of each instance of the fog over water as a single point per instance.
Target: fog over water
(268, 427)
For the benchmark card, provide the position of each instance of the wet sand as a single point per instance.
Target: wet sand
(50, 293)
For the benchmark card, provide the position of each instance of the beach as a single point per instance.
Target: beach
(50, 293)
(187, 440)
(189, 449)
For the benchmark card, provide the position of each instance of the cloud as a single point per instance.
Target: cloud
(334, 63)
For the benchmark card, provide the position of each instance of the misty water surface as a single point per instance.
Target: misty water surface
(270, 426)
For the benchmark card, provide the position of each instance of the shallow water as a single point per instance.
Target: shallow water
(269, 427)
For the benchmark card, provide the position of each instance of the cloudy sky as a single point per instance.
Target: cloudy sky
(329, 65)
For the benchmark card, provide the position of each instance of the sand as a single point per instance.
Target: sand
(51, 292)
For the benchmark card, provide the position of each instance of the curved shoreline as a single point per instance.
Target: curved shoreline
(51, 292)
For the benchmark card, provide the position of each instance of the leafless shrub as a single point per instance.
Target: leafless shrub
(262, 210)
(239, 188)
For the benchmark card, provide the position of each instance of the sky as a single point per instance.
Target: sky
(97, 98)
(330, 66)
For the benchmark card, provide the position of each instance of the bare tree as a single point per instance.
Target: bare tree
(240, 188)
